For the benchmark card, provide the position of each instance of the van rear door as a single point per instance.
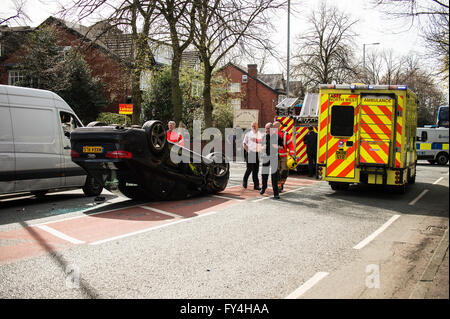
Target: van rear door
(7, 159)
(341, 143)
(38, 160)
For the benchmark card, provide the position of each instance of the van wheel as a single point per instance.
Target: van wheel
(337, 186)
(92, 187)
(156, 136)
(40, 193)
(442, 158)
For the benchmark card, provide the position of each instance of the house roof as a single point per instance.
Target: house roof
(272, 81)
(116, 45)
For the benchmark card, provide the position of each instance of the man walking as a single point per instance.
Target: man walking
(271, 143)
(310, 140)
(286, 149)
(252, 145)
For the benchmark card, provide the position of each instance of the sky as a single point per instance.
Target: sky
(373, 26)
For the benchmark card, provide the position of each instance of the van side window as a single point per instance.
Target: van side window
(342, 120)
(68, 122)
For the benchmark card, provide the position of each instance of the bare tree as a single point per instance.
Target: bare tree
(432, 16)
(18, 14)
(179, 20)
(325, 50)
(139, 16)
(222, 25)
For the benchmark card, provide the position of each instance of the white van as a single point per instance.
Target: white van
(35, 128)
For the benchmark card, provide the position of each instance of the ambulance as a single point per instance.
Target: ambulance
(295, 118)
(367, 134)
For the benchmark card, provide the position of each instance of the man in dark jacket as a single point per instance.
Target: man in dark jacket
(270, 146)
(310, 141)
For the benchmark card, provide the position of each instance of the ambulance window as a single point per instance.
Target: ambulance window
(342, 120)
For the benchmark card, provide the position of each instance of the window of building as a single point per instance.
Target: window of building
(342, 120)
(234, 87)
(14, 76)
(236, 104)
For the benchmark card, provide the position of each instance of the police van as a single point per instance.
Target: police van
(432, 144)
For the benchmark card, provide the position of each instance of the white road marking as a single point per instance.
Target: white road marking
(149, 229)
(61, 235)
(307, 285)
(292, 190)
(413, 202)
(439, 179)
(377, 232)
(229, 198)
(161, 212)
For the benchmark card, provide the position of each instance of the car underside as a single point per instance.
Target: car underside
(140, 163)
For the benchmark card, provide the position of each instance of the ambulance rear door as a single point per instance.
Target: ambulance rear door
(376, 130)
(342, 135)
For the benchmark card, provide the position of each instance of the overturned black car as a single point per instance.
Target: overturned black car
(137, 162)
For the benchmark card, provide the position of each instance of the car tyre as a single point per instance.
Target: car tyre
(156, 136)
(96, 123)
(92, 187)
(219, 172)
(442, 158)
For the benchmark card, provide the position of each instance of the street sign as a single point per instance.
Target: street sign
(125, 108)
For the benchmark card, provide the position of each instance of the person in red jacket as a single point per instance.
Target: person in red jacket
(284, 151)
(173, 135)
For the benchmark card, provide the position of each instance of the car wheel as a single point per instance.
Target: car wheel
(96, 123)
(156, 136)
(92, 187)
(219, 171)
(442, 158)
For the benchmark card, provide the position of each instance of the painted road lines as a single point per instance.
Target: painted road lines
(161, 211)
(413, 202)
(438, 180)
(307, 285)
(376, 233)
(148, 229)
(266, 197)
(60, 235)
(228, 197)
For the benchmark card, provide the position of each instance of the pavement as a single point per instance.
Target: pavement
(430, 285)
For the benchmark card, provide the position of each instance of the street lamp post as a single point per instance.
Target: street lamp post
(288, 47)
(364, 53)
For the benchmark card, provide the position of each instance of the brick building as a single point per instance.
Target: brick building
(108, 52)
(253, 96)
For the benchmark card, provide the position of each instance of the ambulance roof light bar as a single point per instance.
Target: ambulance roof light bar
(359, 86)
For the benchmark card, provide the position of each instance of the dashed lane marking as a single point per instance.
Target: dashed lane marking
(413, 202)
(376, 233)
(307, 285)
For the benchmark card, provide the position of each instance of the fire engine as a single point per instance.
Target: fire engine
(295, 118)
(367, 134)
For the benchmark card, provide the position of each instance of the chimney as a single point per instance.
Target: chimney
(252, 69)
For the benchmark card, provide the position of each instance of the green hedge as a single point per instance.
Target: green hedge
(113, 118)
